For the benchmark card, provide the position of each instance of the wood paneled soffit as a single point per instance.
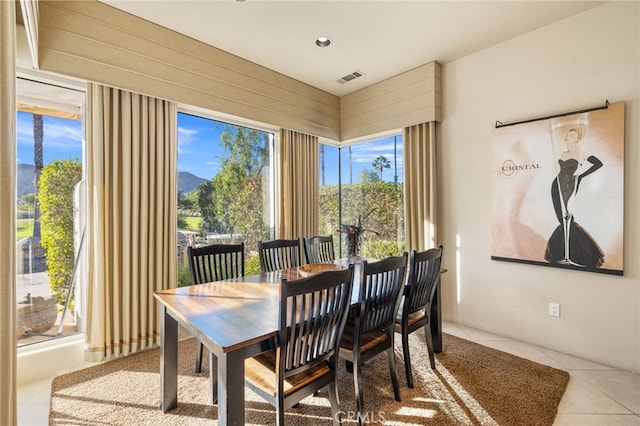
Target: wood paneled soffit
(96, 42)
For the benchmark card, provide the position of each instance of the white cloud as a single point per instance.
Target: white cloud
(59, 134)
(366, 153)
(213, 165)
(185, 137)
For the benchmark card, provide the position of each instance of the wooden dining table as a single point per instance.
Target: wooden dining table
(235, 319)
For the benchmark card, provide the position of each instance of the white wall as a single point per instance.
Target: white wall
(576, 63)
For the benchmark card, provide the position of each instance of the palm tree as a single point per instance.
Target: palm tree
(38, 136)
(395, 159)
(321, 164)
(381, 163)
(350, 167)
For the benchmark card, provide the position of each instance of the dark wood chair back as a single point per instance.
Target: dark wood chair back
(370, 327)
(279, 254)
(319, 249)
(214, 262)
(418, 296)
(313, 312)
(424, 277)
(380, 290)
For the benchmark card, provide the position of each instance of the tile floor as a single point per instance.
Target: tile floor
(596, 394)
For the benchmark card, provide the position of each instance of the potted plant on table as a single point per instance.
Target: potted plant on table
(353, 234)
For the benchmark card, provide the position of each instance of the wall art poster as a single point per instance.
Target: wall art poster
(558, 191)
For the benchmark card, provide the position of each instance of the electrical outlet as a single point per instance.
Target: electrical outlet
(554, 309)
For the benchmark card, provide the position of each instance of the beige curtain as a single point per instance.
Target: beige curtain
(419, 146)
(131, 230)
(297, 185)
(8, 354)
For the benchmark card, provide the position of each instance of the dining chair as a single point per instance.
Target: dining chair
(279, 254)
(214, 262)
(370, 327)
(415, 306)
(319, 249)
(312, 315)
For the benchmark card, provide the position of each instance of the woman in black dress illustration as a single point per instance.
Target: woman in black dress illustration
(570, 243)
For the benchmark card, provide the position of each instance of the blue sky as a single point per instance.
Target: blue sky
(62, 139)
(199, 150)
(364, 154)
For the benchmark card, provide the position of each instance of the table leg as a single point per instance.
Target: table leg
(213, 377)
(436, 321)
(231, 388)
(168, 363)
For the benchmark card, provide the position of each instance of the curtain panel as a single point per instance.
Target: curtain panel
(420, 189)
(8, 352)
(297, 185)
(132, 202)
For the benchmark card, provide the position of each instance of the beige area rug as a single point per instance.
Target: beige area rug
(472, 385)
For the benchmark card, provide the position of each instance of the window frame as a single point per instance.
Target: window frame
(71, 105)
(240, 122)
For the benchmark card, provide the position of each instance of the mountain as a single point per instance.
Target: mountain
(25, 177)
(187, 182)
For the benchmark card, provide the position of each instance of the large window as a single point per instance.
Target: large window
(224, 187)
(363, 184)
(49, 210)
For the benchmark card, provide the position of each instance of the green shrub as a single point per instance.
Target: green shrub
(380, 205)
(57, 183)
(379, 249)
(252, 265)
(184, 276)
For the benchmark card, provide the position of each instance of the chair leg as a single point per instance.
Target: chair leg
(333, 398)
(280, 413)
(429, 338)
(199, 359)
(407, 358)
(348, 365)
(357, 384)
(394, 374)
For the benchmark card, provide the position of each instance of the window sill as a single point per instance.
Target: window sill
(48, 359)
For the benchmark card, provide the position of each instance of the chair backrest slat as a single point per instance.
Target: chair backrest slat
(380, 292)
(424, 277)
(279, 254)
(313, 312)
(319, 249)
(216, 262)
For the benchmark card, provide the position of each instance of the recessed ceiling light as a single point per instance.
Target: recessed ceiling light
(323, 41)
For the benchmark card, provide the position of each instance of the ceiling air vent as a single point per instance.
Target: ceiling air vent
(347, 78)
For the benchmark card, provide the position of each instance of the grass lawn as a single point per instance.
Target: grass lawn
(25, 228)
(193, 223)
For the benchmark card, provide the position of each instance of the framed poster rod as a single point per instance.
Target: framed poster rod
(500, 124)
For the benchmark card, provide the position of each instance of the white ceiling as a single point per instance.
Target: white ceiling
(378, 38)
